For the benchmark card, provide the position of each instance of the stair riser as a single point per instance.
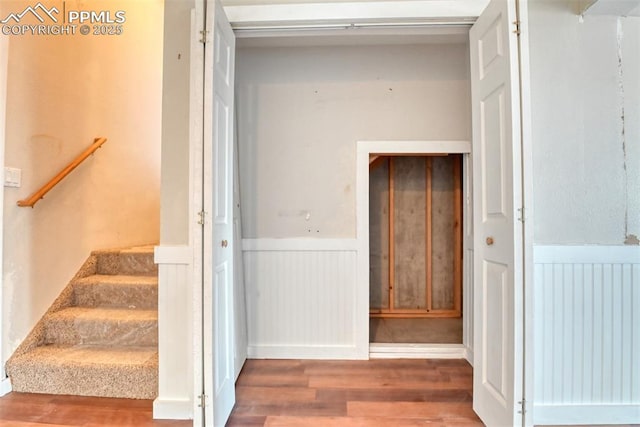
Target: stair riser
(78, 331)
(140, 264)
(109, 295)
(101, 381)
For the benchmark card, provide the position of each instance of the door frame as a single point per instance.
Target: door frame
(364, 149)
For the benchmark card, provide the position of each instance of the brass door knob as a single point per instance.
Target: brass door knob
(489, 241)
(225, 243)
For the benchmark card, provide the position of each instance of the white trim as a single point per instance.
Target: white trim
(196, 173)
(165, 254)
(528, 229)
(5, 387)
(402, 11)
(586, 254)
(415, 147)
(302, 244)
(586, 414)
(468, 355)
(363, 150)
(172, 409)
(417, 351)
(319, 352)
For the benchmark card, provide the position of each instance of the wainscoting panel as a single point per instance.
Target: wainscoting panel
(301, 298)
(587, 334)
(175, 332)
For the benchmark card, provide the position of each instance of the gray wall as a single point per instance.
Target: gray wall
(302, 109)
(585, 90)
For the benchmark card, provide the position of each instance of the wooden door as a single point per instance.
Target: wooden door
(497, 196)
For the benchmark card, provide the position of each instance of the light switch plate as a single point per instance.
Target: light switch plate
(12, 177)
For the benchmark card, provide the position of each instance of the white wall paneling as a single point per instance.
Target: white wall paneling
(301, 295)
(587, 334)
(175, 344)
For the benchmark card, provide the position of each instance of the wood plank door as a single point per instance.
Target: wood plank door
(497, 195)
(218, 241)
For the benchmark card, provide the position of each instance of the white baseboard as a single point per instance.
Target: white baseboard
(417, 351)
(172, 409)
(468, 354)
(303, 352)
(5, 387)
(585, 414)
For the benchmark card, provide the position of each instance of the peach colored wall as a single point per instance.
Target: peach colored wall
(62, 92)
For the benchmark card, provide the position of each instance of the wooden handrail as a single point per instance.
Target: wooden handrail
(33, 199)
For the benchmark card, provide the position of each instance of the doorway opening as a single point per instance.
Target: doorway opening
(415, 249)
(426, 232)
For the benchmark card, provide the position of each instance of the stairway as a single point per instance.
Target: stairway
(100, 336)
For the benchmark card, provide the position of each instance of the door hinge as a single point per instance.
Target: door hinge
(203, 401)
(516, 30)
(203, 36)
(522, 409)
(521, 216)
(203, 216)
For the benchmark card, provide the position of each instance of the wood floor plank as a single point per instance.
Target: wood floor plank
(25, 424)
(435, 411)
(358, 381)
(311, 409)
(246, 421)
(371, 393)
(394, 395)
(288, 421)
(39, 410)
(264, 395)
(282, 380)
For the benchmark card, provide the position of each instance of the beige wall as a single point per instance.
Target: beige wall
(4, 56)
(62, 92)
(174, 228)
(302, 109)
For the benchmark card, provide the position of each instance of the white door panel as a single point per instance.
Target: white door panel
(218, 330)
(497, 231)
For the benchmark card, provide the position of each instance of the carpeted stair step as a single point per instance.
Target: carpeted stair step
(134, 262)
(101, 290)
(102, 326)
(129, 372)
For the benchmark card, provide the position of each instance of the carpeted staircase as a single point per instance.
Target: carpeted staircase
(100, 336)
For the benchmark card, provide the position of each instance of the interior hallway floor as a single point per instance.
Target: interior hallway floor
(416, 331)
(354, 393)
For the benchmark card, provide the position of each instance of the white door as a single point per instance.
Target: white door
(218, 333)
(497, 198)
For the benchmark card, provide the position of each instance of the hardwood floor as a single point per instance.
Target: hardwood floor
(374, 393)
(44, 410)
(290, 393)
